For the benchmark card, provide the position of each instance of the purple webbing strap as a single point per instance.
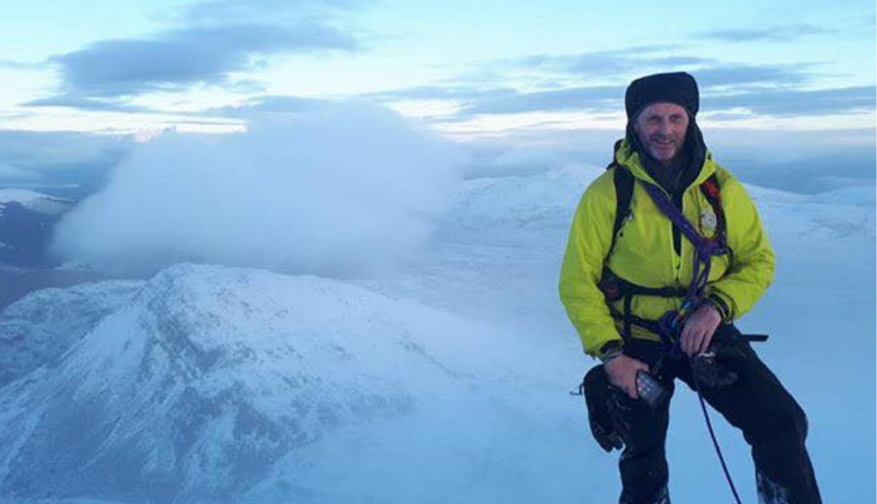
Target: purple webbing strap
(673, 213)
(704, 249)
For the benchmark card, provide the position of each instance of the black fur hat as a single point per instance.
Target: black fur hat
(678, 87)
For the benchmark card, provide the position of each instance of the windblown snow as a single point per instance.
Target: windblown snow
(445, 381)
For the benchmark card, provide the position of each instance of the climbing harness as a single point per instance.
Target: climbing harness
(670, 324)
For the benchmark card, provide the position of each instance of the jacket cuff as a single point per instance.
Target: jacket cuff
(715, 300)
(610, 350)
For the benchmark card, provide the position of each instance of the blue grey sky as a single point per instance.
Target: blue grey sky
(787, 86)
(470, 68)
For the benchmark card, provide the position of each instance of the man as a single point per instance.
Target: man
(666, 250)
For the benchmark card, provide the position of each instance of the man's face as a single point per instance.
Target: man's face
(661, 129)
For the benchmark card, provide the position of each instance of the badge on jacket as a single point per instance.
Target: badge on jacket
(708, 221)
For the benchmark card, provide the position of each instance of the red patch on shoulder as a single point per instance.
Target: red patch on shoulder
(711, 188)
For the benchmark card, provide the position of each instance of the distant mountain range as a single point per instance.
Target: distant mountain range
(26, 221)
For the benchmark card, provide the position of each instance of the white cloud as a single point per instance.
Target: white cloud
(336, 191)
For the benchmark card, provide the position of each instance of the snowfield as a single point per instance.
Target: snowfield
(444, 381)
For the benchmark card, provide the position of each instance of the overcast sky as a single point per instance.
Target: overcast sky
(469, 68)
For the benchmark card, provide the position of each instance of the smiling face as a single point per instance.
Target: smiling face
(661, 129)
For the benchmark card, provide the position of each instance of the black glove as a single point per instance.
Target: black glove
(713, 367)
(604, 410)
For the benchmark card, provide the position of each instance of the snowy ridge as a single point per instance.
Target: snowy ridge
(820, 219)
(518, 205)
(39, 329)
(208, 376)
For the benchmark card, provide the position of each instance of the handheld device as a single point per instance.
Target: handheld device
(649, 389)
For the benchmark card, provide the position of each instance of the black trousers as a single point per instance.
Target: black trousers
(772, 423)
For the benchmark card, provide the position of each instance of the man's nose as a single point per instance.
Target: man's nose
(664, 127)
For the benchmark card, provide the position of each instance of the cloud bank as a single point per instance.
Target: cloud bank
(343, 190)
(595, 82)
(772, 34)
(184, 57)
(214, 40)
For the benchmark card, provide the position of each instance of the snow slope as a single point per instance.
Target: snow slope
(193, 384)
(445, 381)
(498, 256)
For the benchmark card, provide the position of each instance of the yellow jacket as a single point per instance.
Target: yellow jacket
(644, 252)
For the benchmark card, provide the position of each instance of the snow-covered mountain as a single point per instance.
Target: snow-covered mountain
(445, 381)
(193, 384)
